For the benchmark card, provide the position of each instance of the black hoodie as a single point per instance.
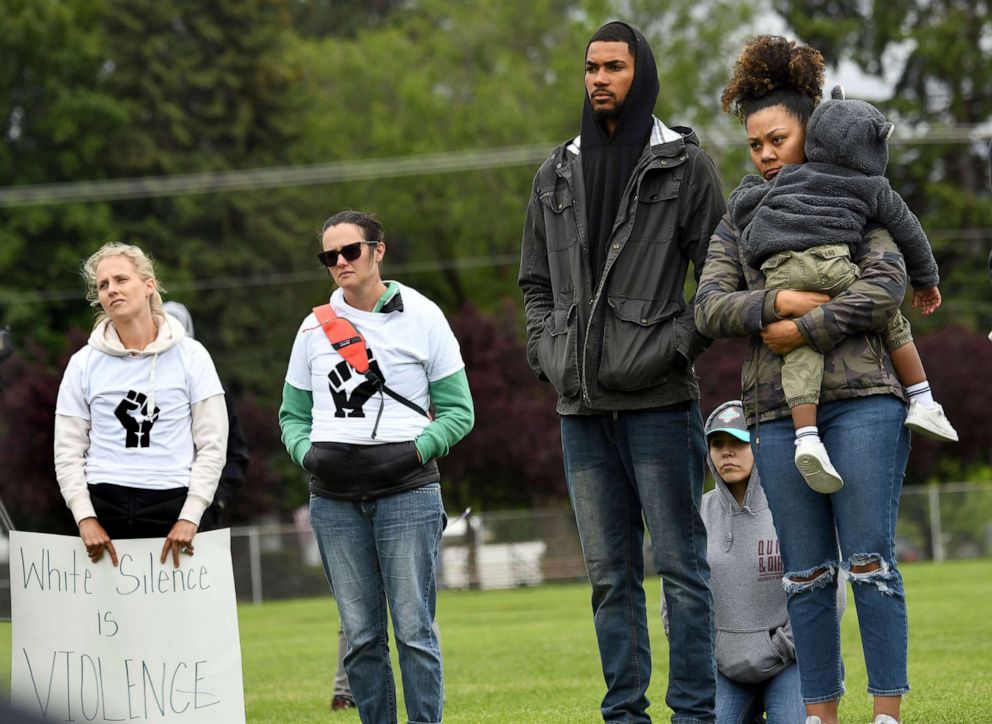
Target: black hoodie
(609, 161)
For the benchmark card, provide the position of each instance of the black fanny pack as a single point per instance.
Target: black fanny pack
(363, 472)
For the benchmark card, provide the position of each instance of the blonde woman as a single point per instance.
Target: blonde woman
(140, 422)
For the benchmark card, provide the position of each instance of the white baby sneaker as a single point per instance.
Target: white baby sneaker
(815, 466)
(930, 422)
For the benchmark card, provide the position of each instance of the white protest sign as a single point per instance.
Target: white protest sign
(140, 642)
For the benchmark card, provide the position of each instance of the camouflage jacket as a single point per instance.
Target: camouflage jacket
(732, 302)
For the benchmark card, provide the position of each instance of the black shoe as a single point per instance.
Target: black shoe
(340, 701)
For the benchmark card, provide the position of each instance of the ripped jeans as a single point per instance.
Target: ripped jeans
(869, 447)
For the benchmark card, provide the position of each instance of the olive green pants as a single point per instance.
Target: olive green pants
(826, 269)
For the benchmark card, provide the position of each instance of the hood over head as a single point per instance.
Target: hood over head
(729, 418)
(636, 119)
(181, 313)
(849, 133)
(608, 160)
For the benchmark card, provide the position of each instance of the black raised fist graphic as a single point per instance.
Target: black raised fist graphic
(138, 426)
(351, 405)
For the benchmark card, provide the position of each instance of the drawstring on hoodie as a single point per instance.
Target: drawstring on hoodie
(104, 340)
(150, 405)
(150, 408)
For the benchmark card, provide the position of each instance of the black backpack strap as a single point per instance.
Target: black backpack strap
(380, 385)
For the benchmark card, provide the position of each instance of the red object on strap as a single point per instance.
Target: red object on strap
(343, 336)
(350, 344)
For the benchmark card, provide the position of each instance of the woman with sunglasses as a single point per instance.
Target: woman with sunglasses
(370, 447)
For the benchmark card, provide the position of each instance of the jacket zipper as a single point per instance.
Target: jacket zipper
(594, 302)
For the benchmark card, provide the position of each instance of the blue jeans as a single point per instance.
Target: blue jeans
(778, 697)
(624, 469)
(381, 552)
(869, 447)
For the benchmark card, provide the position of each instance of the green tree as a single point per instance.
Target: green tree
(57, 119)
(114, 89)
(209, 87)
(444, 76)
(320, 18)
(938, 57)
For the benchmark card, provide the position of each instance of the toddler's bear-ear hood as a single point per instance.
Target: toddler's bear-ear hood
(849, 133)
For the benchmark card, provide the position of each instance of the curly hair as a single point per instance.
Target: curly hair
(773, 70)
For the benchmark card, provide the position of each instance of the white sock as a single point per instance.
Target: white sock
(812, 432)
(921, 393)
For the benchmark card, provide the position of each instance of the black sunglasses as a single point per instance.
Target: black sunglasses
(351, 252)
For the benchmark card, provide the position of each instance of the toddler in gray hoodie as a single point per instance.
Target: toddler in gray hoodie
(800, 229)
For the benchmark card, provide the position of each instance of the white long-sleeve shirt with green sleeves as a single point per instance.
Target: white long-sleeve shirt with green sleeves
(409, 339)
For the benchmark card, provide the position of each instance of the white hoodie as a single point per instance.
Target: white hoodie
(152, 418)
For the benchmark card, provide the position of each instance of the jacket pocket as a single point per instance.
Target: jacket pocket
(639, 345)
(656, 209)
(559, 222)
(830, 251)
(747, 656)
(659, 187)
(749, 372)
(557, 350)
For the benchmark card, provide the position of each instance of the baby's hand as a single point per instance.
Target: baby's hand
(926, 300)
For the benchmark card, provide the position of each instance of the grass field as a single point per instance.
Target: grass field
(529, 655)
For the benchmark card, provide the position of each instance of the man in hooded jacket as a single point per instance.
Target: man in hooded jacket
(615, 218)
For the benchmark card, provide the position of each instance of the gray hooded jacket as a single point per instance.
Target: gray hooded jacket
(753, 634)
(829, 199)
(754, 637)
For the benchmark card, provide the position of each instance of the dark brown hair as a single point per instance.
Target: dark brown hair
(369, 224)
(773, 71)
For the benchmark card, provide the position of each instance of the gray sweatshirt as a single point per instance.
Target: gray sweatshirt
(753, 634)
(754, 637)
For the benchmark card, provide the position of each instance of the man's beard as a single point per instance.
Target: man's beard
(602, 115)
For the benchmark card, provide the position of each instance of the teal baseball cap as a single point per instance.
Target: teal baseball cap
(728, 418)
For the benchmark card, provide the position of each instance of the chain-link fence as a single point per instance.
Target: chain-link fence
(506, 549)
(942, 522)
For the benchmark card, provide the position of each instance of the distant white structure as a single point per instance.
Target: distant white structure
(499, 565)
